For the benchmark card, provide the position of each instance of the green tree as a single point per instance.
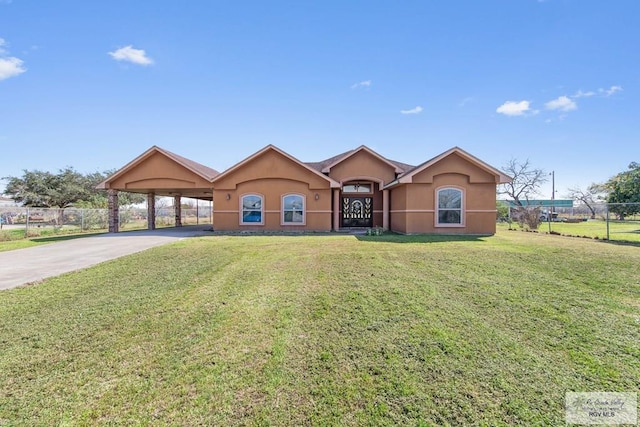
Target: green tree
(62, 190)
(48, 190)
(625, 188)
(502, 210)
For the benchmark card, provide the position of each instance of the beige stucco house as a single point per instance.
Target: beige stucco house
(271, 190)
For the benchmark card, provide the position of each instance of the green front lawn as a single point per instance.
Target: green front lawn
(325, 330)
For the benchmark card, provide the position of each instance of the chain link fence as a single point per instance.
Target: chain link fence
(605, 221)
(617, 222)
(19, 222)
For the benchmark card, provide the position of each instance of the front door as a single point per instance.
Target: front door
(357, 211)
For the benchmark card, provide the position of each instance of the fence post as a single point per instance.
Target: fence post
(608, 221)
(26, 225)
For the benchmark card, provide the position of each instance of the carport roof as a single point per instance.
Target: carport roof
(199, 169)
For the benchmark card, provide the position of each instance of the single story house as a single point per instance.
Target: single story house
(452, 193)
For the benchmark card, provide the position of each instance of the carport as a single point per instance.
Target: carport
(158, 172)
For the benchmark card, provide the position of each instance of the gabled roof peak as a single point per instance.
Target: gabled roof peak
(201, 170)
(408, 176)
(327, 165)
(271, 147)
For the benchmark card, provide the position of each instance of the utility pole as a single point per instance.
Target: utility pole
(553, 191)
(553, 197)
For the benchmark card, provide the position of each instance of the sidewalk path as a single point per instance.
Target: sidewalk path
(29, 265)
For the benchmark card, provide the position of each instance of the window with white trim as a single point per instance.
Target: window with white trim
(292, 209)
(252, 212)
(449, 208)
(358, 187)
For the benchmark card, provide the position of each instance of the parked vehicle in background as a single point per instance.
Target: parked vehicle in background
(544, 217)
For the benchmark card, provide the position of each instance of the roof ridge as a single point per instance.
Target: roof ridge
(207, 171)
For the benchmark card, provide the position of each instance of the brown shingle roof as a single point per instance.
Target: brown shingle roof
(320, 166)
(331, 160)
(199, 168)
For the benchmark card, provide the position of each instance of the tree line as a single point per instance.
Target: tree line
(64, 189)
(621, 192)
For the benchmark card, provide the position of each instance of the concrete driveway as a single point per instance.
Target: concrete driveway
(30, 265)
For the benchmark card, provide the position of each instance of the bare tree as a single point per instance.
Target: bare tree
(526, 181)
(588, 197)
(525, 184)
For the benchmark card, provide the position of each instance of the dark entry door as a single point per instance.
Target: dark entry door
(357, 211)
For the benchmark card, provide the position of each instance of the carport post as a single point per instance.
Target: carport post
(177, 210)
(151, 211)
(114, 215)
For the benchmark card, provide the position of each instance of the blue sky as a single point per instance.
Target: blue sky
(94, 84)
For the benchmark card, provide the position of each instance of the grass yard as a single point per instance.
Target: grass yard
(325, 330)
(626, 231)
(11, 239)
(619, 231)
(9, 243)
(16, 237)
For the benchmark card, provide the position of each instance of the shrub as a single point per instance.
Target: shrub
(375, 231)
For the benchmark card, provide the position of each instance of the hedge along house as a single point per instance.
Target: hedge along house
(454, 192)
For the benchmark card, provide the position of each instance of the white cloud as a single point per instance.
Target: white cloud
(11, 67)
(514, 108)
(562, 103)
(130, 54)
(416, 110)
(466, 101)
(581, 94)
(610, 91)
(365, 84)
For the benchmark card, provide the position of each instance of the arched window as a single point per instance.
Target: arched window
(357, 187)
(251, 209)
(449, 207)
(293, 209)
